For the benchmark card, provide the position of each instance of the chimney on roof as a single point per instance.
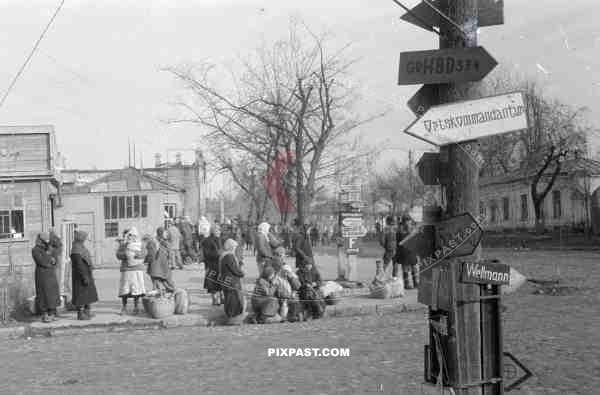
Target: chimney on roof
(157, 160)
(178, 159)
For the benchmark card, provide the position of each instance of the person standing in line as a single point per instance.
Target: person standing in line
(232, 273)
(388, 241)
(46, 282)
(83, 284)
(187, 240)
(302, 246)
(56, 250)
(174, 238)
(157, 260)
(211, 247)
(265, 243)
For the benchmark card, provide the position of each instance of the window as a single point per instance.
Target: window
(129, 206)
(12, 223)
(524, 208)
(119, 207)
(144, 206)
(556, 205)
(136, 206)
(506, 208)
(494, 210)
(111, 229)
(481, 209)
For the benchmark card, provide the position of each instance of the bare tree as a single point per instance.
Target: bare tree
(289, 97)
(556, 132)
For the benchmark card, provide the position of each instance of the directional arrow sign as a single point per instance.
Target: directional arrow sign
(441, 66)
(490, 12)
(471, 119)
(425, 97)
(457, 236)
(515, 373)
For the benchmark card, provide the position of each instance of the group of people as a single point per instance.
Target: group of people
(46, 254)
(279, 293)
(399, 258)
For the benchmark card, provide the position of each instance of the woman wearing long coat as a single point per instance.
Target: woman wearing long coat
(46, 283)
(211, 247)
(84, 286)
(231, 274)
(157, 259)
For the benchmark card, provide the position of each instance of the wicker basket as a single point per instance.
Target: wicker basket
(161, 307)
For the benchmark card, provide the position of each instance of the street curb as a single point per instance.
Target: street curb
(189, 320)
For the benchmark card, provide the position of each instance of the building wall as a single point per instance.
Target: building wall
(87, 210)
(572, 205)
(190, 178)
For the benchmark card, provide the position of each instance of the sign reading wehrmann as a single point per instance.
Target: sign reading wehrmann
(471, 119)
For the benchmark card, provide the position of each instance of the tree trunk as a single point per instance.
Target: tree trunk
(300, 176)
(540, 223)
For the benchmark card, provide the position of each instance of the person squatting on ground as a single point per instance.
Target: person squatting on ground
(131, 254)
(310, 294)
(174, 238)
(287, 283)
(264, 300)
(211, 249)
(83, 284)
(46, 283)
(232, 274)
(389, 243)
(157, 259)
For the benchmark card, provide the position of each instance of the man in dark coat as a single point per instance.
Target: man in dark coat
(46, 283)
(388, 242)
(301, 246)
(84, 287)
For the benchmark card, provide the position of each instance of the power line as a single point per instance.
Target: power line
(37, 43)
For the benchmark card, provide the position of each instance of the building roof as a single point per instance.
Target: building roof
(26, 129)
(570, 167)
(121, 180)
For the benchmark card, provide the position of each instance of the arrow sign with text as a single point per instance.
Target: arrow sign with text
(469, 120)
(442, 66)
(490, 13)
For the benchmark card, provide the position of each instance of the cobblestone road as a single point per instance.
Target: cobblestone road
(385, 352)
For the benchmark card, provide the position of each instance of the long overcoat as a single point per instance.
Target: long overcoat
(84, 286)
(46, 283)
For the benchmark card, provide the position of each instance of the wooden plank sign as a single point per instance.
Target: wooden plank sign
(425, 97)
(457, 236)
(485, 273)
(472, 119)
(441, 66)
(490, 13)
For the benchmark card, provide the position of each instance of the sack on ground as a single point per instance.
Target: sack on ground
(331, 288)
(393, 288)
(182, 301)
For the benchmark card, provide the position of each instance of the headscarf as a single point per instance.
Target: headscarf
(264, 228)
(79, 247)
(204, 227)
(267, 272)
(43, 239)
(229, 247)
(133, 232)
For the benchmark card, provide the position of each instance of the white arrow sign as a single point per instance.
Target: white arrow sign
(471, 119)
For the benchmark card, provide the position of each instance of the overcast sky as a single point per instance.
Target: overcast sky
(96, 75)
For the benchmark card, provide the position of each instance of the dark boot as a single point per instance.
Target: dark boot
(81, 316)
(88, 312)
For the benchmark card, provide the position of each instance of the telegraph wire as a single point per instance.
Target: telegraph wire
(35, 47)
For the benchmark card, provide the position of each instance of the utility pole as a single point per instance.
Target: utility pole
(461, 190)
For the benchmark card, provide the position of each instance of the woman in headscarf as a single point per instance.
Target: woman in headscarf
(131, 253)
(83, 285)
(158, 262)
(232, 272)
(46, 283)
(265, 243)
(211, 248)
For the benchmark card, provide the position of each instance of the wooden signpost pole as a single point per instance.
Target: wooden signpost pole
(460, 187)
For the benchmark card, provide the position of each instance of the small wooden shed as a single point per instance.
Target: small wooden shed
(29, 194)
